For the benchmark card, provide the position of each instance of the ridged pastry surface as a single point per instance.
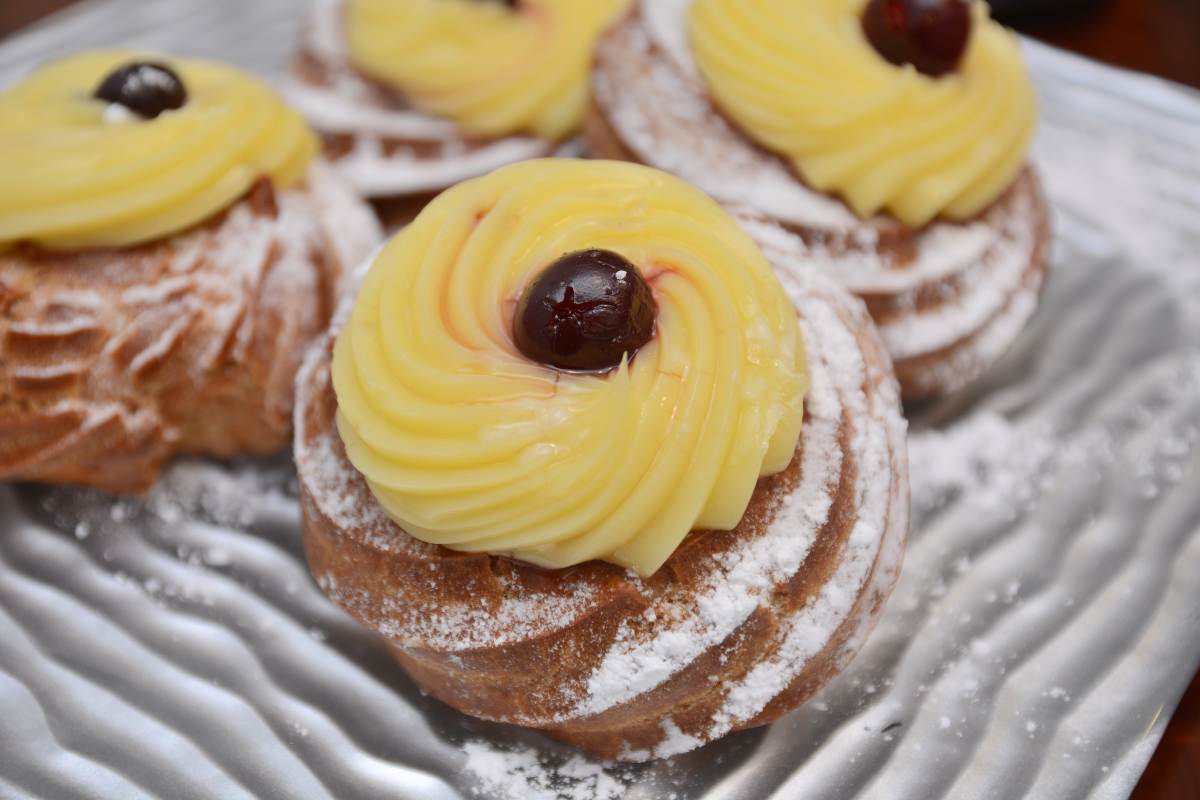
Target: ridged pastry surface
(112, 360)
(735, 629)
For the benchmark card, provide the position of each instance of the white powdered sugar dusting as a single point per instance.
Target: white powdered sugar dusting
(632, 667)
(337, 111)
(674, 741)
(461, 627)
(529, 775)
(988, 457)
(665, 19)
(79, 322)
(450, 627)
(989, 343)
(400, 171)
(273, 257)
(218, 493)
(256, 252)
(48, 371)
(995, 306)
(318, 457)
(870, 549)
(941, 251)
(328, 468)
(352, 231)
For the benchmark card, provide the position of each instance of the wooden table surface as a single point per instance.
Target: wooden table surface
(1161, 37)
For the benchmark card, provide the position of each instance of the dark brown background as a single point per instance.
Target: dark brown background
(1161, 37)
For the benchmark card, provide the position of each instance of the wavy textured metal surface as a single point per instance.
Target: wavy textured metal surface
(1045, 626)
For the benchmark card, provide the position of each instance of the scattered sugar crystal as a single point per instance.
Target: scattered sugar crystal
(525, 774)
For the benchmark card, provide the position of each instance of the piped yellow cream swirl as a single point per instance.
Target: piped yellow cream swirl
(468, 444)
(493, 69)
(802, 79)
(77, 176)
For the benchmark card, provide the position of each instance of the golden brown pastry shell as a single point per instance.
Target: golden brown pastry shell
(443, 613)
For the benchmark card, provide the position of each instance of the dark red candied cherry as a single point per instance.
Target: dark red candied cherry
(931, 35)
(146, 88)
(587, 310)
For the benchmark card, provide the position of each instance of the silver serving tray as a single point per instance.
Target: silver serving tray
(1044, 628)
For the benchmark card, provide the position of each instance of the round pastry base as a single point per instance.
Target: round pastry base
(737, 628)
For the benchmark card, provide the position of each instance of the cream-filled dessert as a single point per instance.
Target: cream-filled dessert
(573, 416)
(413, 96)
(883, 141)
(168, 247)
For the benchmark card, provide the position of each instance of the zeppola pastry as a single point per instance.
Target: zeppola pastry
(591, 466)
(413, 96)
(168, 249)
(882, 141)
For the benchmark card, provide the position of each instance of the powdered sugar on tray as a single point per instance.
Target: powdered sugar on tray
(987, 457)
(532, 775)
(202, 489)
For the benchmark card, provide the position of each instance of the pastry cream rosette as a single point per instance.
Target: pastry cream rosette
(468, 444)
(77, 176)
(492, 69)
(802, 79)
